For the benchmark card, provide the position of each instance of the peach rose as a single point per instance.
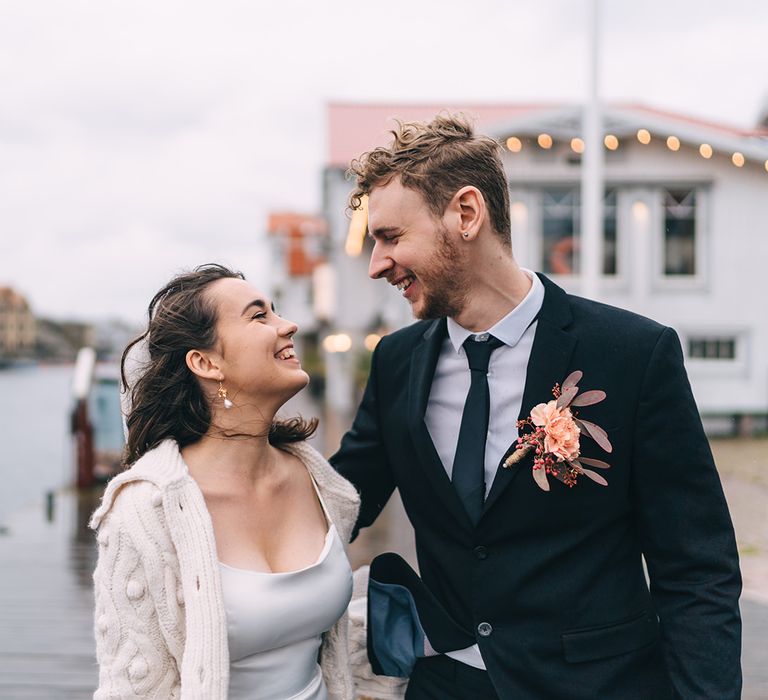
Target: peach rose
(544, 413)
(561, 434)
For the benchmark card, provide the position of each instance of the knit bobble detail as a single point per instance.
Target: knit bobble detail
(180, 596)
(103, 537)
(157, 500)
(134, 590)
(138, 669)
(102, 624)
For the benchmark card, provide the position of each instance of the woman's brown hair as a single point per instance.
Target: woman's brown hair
(166, 399)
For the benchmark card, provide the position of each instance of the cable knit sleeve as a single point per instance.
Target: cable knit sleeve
(139, 607)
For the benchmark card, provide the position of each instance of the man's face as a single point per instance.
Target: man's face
(415, 252)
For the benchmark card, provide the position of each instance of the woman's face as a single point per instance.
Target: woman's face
(254, 345)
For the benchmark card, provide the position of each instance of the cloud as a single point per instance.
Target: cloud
(138, 138)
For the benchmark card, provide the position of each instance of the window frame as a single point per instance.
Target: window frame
(738, 366)
(528, 237)
(662, 282)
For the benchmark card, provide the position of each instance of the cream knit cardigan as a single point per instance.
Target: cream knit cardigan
(161, 629)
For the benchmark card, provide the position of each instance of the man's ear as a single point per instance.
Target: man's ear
(468, 206)
(204, 365)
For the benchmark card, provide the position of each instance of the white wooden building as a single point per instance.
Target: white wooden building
(685, 237)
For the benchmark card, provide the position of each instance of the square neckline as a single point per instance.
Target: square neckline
(323, 552)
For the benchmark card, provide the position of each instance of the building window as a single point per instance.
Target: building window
(610, 245)
(560, 212)
(680, 242)
(711, 348)
(560, 228)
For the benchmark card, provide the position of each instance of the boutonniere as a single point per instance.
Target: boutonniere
(554, 432)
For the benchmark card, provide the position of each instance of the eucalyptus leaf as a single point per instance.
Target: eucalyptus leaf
(588, 398)
(540, 477)
(597, 434)
(575, 463)
(599, 464)
(595, 477)
(572, 379)
(567, 396)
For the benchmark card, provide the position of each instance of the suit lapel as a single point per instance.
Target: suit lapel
(423, 362)
(553, 347)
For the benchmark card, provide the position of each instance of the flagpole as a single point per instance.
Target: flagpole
(591, 248)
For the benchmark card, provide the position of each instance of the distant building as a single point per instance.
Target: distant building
(685, 235)
(298, 245)
(60, 341)
(18, 330)
(111, 336)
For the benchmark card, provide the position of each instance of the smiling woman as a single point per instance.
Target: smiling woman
(222, 569)
(191, 322)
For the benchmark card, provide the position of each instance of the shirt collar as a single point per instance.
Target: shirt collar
(511, 328)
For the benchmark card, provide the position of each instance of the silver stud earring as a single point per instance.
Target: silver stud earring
(222, 393)
(466, 234)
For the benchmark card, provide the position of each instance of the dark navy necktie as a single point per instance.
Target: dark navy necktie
(469, 463)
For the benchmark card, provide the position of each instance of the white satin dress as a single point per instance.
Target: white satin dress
(275, 622)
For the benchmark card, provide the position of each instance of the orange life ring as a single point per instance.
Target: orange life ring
(561, 256)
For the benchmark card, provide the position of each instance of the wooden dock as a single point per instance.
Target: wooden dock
(46, 602)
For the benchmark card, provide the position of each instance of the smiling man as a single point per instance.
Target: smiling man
(532, 567)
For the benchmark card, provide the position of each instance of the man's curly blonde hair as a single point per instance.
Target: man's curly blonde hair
(437, 159)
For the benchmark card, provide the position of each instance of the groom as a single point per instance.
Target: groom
(541, 568)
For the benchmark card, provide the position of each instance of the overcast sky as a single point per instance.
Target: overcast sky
(141, 137)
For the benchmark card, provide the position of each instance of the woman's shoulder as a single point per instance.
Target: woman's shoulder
(129, 506)
(139, 489)
(326, 477)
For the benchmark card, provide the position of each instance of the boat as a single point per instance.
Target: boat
(96, 419)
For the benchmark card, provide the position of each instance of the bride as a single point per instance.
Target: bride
(222, 570)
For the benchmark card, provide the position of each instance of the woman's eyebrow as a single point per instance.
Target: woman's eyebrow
(258, 303)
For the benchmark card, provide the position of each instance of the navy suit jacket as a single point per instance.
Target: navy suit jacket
(559, 575)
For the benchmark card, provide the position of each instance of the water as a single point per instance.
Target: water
(36, 451)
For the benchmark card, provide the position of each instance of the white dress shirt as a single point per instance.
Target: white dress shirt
(506, 380)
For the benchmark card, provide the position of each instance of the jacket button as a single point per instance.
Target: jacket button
(480, 552)
(484, 629)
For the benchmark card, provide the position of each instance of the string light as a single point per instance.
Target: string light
(611, 141)
(640, 212)
(518, 212)
(340, 342)
(371, 341)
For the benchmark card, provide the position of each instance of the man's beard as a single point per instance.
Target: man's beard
(444, 287)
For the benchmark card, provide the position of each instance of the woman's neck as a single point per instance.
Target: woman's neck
(218, 462)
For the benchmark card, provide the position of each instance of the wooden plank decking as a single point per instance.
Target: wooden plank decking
(46, 603)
